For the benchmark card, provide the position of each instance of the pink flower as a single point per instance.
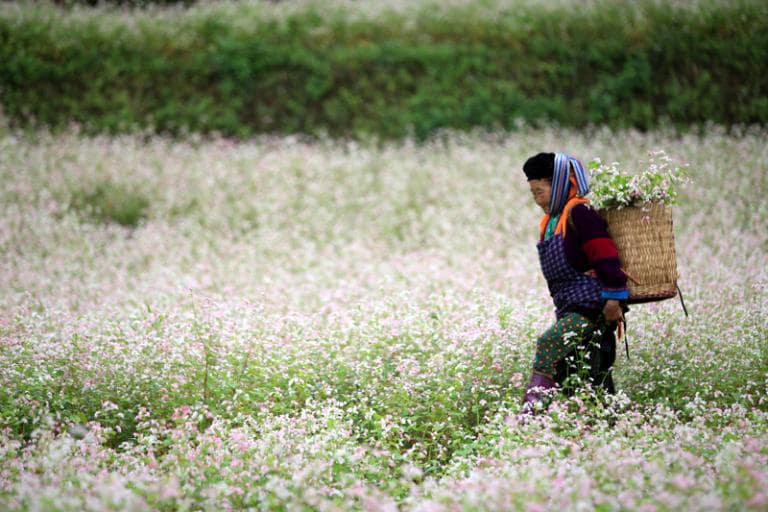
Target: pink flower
(683, 482)
(758, 501)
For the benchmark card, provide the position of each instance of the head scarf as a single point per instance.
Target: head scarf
(561, 182)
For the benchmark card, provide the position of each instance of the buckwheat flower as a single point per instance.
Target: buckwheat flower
(758, 501)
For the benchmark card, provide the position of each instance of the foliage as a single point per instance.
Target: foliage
(111, 202)
(243, 68)
(655, 183)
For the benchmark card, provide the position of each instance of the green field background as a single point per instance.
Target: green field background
(239, 69)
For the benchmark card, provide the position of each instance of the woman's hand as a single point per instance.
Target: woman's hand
(612, 311)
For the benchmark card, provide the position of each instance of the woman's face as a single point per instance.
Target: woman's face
(541, 190)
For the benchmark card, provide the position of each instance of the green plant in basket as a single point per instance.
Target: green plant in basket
(657, 183)
(635, 208)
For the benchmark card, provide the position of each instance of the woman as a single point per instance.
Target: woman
(580, 263)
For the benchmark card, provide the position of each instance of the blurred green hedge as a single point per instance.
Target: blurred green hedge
(239, 70)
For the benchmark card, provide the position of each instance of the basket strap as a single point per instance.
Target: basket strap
(629, 276)
(682, 302)
(622, 333)
(626, 338)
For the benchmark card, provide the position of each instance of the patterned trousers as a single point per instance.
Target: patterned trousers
(574, 344)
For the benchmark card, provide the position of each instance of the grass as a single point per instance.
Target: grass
(330, 325)
(107, 202)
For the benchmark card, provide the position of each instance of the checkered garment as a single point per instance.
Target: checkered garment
(569, 288)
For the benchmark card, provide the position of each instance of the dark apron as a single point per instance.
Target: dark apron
(568, 287)
(571, 289)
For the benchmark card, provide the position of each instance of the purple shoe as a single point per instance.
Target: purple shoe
(537, 388)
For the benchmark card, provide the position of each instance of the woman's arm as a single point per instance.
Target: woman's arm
(601, 253)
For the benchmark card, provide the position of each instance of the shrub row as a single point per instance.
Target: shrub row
(239, 70)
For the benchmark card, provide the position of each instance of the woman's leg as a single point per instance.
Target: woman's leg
(551, 348)
(592, 360)
(607, 356)
(557, 342)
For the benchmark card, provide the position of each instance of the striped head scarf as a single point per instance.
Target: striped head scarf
(561, 182)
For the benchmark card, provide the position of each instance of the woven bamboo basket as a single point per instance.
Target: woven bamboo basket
(643, 235)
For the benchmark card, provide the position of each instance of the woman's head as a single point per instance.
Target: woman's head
(555, 179)
(541, 191)
(539, 170)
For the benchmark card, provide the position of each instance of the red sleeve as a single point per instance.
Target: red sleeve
(600, 250)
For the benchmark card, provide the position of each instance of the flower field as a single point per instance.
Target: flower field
(279, 324)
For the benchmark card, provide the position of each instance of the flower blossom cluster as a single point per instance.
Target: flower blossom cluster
(657, 182)
(328, 325)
